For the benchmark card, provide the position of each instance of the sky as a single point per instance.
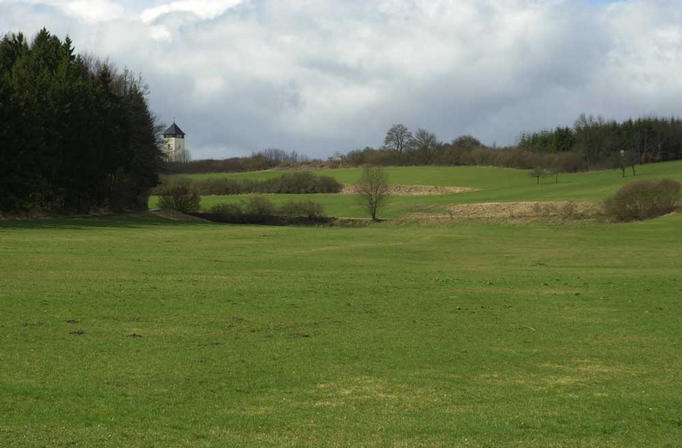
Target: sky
(321, 76)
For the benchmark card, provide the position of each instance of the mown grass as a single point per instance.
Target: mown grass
(468, 335)
(494, 184)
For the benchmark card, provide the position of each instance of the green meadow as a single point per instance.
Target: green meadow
(493, 185)
(143, 332)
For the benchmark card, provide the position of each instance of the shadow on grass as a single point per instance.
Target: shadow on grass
(133, 220)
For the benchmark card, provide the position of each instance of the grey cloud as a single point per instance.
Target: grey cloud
(324, 76)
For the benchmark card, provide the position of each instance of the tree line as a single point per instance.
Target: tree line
(603, 143)
(592, 143)
(424, 148)
(75, 133)
(261, 160)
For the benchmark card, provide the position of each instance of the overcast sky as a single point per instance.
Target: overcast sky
(320, 76)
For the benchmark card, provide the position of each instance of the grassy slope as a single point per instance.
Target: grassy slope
(475, 336)
(495, 184)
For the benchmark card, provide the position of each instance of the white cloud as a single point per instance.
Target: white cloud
(87, 10)
(94, 10)
(160, 33)
(204, 9)
(319, 76)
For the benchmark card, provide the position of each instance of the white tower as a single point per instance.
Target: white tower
(174, 144)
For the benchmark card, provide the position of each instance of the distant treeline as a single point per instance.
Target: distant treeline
(289, 183)
(262, 160)
(593, 143)
(462, 151)
(600, 142)
(75, 134)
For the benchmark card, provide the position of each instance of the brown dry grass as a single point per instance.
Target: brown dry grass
(513, 211)
(415, 190)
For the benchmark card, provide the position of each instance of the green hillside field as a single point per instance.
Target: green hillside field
(494, 185)
(139, 331)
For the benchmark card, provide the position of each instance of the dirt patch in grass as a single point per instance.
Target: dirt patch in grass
(415, 190)
(513, 211)
(523, 209)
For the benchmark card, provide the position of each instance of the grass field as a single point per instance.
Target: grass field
(386, 336)
(494, 185)
(138, 331)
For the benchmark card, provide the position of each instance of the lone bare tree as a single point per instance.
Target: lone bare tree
(398, 137)
(424, 145)
(373, 189)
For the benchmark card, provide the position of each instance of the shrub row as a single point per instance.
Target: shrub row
(452, 155)
(289, 183)
(253, 209)
(260, 210)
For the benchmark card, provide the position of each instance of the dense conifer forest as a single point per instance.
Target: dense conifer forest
(76, 134)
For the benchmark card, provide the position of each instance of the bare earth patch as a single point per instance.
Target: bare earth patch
(516, 211)
(415, 190)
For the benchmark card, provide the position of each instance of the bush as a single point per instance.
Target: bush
(229, 212)
(258, 208)
(253, 210)
(302, 209)
(290, 183)
(643, 200)
(179, 196)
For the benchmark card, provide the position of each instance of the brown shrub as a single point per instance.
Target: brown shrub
(643, 200)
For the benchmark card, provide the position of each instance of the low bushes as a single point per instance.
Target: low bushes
(643, 200)
(302, 209)
(179, 196)
(289, 183)
(230, 212)
(453, 154)
(260, 210)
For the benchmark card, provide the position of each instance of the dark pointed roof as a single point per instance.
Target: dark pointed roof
(174, 131)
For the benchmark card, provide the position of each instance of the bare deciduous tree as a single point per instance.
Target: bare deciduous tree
(398, 137)
(424, 145)
(373, 189)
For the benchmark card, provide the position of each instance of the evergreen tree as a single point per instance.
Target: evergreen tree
(75, 134)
